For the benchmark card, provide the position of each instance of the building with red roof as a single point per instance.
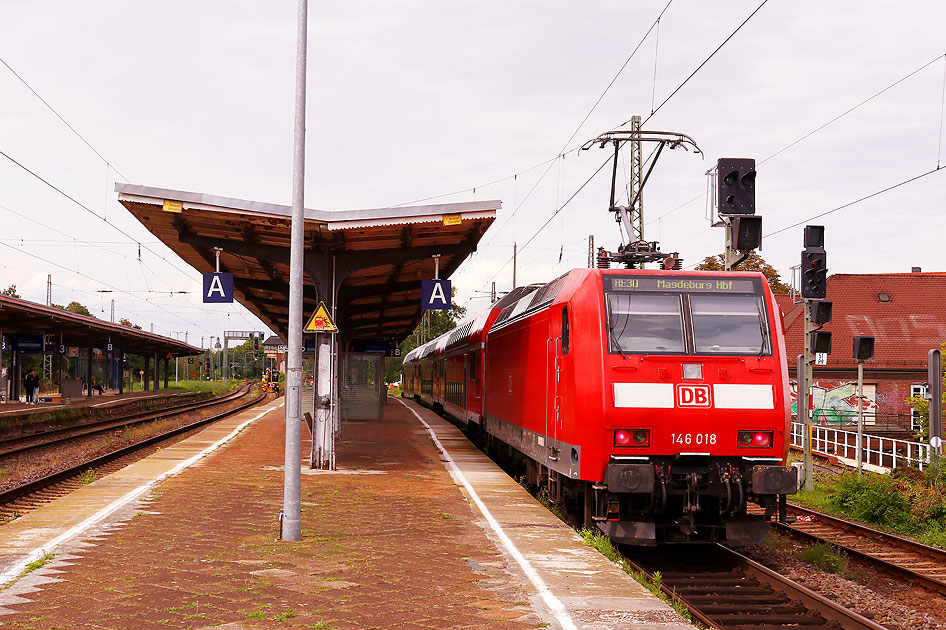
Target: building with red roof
(906, 315)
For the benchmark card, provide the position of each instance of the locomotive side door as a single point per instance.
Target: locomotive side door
(553, 398)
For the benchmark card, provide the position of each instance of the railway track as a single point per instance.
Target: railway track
(723, 589)
(52, 435)
(915, 562)
(26, 496)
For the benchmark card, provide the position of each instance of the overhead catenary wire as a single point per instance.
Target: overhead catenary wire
(857, 201)
(549, 220)
(90, 211)
(64, 121)
(564, 150)
(705, 61)
(830, 122)
(942, 108)
(88, 277)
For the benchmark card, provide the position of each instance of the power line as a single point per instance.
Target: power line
(564, 150)
(856, 201)
(79, 273)
(71, 128)
(821, 127)
(845, 113)
(549, 220)
(700, 67)
(90, 211)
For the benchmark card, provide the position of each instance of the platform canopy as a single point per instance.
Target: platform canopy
(375, 258)
(70, 329)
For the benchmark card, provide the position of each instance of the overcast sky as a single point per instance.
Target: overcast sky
(410, 100)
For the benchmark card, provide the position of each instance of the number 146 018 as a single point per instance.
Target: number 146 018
(693, 438)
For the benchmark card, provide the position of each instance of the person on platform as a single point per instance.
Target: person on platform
(28, 387)
(36, 384)
(97, 387)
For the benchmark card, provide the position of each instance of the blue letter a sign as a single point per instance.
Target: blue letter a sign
(218, 288)
(435, 294)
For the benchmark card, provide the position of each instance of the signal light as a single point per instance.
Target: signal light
(863, 347)
(632, 437)
(814, 273)
(821, 311)
(821, 341)
(746, 232)
(735, 186)
(755, 439)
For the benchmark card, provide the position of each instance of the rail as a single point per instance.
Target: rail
(877, 450)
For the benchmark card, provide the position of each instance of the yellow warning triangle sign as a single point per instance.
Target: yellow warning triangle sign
(320, 321)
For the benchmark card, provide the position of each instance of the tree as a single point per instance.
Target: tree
(124, 321)
(78, 309)
(10, 291)
(753, 262)
(432, 324)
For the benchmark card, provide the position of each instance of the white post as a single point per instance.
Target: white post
(860, 415)
(291, 528)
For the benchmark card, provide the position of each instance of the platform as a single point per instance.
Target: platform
(403, 535)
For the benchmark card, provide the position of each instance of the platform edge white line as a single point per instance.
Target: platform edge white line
(554, 603)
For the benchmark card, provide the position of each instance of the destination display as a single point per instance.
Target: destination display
(700, 284)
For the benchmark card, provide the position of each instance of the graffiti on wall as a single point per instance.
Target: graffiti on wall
(837, 404)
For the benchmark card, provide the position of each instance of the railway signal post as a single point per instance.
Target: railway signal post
(934, 392)
(863, 351)
(817, 313)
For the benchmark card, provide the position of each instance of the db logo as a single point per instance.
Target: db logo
(693, 396)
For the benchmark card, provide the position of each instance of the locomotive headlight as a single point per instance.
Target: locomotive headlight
(632, 437)
(755, 439)
(693, 371)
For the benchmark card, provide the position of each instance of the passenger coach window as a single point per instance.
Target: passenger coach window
(565, 331)
(645, 322)
(729, 324)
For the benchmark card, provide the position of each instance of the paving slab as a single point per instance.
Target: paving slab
(389, 541)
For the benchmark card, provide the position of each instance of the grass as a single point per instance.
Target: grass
(214, 387)
(32, 566)
(652, 583)
(88, 477)
(321, 625)
(908, 502)
(825, 556)
(38, 564)
(284, 616)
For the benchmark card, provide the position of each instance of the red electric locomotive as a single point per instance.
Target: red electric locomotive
(655, 401)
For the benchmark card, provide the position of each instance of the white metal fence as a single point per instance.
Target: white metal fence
(877, 450)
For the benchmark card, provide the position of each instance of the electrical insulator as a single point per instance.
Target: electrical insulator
(604, 259)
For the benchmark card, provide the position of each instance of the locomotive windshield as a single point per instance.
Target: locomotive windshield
(729, 324)
(679, 315)
(646, 322)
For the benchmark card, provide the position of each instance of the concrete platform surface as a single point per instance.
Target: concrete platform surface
(388, 542)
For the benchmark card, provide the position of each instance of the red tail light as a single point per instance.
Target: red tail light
(755, 439)
(632, 437)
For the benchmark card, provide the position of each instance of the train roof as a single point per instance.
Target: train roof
(523, 298)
